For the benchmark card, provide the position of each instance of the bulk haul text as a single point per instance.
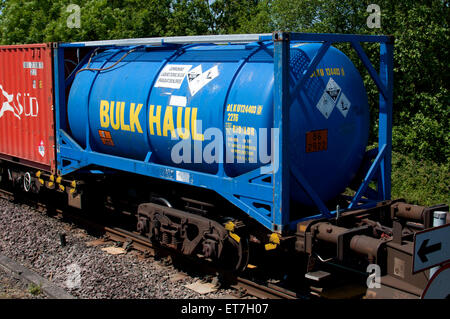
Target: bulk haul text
(112, 114)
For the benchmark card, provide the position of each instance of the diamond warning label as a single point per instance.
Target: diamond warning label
(333, 89)
(198, 79)
(325, 105)
(329, 97)
(194, 73)
(343, 104)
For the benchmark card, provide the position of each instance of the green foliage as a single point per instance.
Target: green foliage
(422, 97)
(190, 18)
(35, 289)
(32, 21)
(258, 19)
(44, 21)
(420, 182)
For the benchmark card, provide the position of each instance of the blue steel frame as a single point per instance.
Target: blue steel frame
(265, 200)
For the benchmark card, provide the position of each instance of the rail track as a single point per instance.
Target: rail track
(245, 288)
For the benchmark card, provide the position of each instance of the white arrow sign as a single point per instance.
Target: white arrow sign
(431, 248)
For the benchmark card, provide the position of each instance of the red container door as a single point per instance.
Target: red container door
(26, 105)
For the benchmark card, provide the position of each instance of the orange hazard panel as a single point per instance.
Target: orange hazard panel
(316, 141)
(105, 136)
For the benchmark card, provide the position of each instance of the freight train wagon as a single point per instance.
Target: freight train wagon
(239, 149)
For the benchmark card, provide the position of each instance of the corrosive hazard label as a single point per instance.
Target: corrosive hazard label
(343, 104)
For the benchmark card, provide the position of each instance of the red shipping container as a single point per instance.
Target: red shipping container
(26, 105)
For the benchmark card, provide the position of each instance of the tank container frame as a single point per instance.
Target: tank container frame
(265, 201)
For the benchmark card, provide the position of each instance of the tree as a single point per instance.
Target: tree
(421, 30)
(191, 17)
(43, 21)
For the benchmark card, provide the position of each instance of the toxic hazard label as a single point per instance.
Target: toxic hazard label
(198, 79)
(172, 76)
(194, 73)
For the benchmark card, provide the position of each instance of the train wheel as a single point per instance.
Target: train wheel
(27, 182)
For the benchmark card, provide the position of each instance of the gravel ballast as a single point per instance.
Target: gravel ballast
(31, 238)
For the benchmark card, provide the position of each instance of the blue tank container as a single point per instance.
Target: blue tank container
(215, 102)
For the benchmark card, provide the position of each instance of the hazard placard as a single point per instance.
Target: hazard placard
(106, 138)
(316, 141)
